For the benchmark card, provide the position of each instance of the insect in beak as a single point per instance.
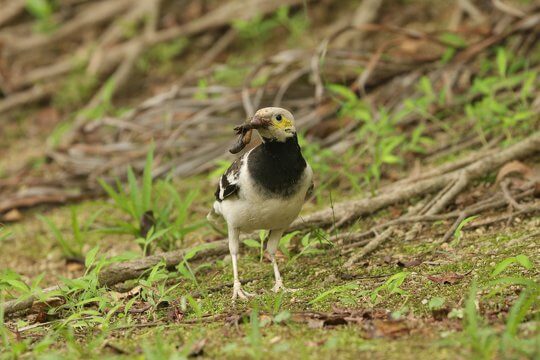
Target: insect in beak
(258, 122)
(244, 131)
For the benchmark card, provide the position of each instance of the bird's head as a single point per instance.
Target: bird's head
(274, 123)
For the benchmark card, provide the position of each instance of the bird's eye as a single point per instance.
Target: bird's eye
(278, 117)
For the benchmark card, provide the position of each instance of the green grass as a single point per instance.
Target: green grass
(91, 309)
(150, 204)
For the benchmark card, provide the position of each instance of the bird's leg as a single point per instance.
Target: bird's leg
(238, 292)
(273, 241)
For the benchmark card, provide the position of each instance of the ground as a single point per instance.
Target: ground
(474, 295)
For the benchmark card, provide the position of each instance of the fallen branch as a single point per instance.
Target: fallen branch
(372, 245)
(120, 272)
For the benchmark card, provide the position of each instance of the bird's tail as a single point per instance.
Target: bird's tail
(215, 218)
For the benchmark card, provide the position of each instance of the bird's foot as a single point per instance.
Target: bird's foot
(279, 287)
(238, 292)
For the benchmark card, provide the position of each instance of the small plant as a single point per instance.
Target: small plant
(488, 343)
(254, 337)
(493, 113)
(458, 233)
(454, 43)
(259, 29)
(184, 268)
(42, 11)
(257, 244)
(285, 242)
(521, 260)
(4, 234)
(72, 246)
(160, 56)
(336, 290)
(310, 243)
(384, 143)
(194, 304)
(146, 242)
(141, 200)
(158, 347)
(391, 286)
(436, 303)
(105, 104)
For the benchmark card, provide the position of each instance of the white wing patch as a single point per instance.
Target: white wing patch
(228, 183)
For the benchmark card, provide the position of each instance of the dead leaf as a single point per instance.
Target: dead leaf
(12, 216)
(128, 294)
(47, 117)
(440, 314)
(395, 212)
(175, 314)
(410, 263)
(514, 168)
(265, 320)
(148, 221)
(74, 267)
(315, 323)
(41, 317)
(140, 308)
(392, 329)
(447, 279)
(42, 306)
(197, 349)
(316, 343)
(114, 349)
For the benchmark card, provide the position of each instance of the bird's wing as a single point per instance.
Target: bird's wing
(228, 183)
(310, 191)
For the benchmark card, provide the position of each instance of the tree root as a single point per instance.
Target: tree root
(349, 210)
(452, 184)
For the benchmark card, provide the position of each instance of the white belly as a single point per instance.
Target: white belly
(253, 210)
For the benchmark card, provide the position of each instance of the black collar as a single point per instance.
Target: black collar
(277, 166)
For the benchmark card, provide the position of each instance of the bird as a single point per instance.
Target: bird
(264, 189)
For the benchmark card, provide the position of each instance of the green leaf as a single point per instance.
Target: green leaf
(502, 61)
(436, 303)
(108, 90)
(18, 285)
(519, 311)
(282, 316)
(524, 261)
(285, 242)
(91, 257)
(252, 243)
(391, 159)
(305, 240)
(500, 267)
(134, 193)
(334, 290)
(453, 40)
(457, 233)
(426, 87)
(343, 91)
(75, 226)
(40, 9)
(66, 248)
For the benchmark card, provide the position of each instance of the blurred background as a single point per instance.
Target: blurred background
(116, 117)
(379, 89)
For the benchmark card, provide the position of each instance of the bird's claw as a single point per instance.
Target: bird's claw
(240, 293)
(279, 287)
